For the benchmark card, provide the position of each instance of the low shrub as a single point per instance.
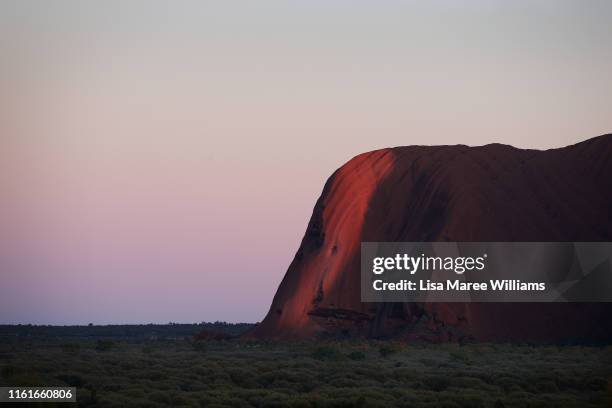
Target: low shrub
(386, 350)
(70, 347)
(105, 345)
(326, 353)
(356, 355)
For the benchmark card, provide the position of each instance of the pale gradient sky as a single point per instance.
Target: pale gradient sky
(159, 160)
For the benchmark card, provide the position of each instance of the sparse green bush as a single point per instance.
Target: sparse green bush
(8, 371)
(72, 380)
(70, 347)
(147, 349)
(326, 353)
(459, 356)
(437, 382)
(104, 345)
(386, 350)
(199, 346)
(357, 355)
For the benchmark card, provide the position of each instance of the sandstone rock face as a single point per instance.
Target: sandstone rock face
(446, 193)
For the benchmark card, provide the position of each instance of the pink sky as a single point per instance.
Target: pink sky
(160, 163)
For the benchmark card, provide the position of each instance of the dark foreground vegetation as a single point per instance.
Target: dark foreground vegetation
(162, 365)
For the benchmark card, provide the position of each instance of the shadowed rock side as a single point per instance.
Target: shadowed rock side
(446, 193)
